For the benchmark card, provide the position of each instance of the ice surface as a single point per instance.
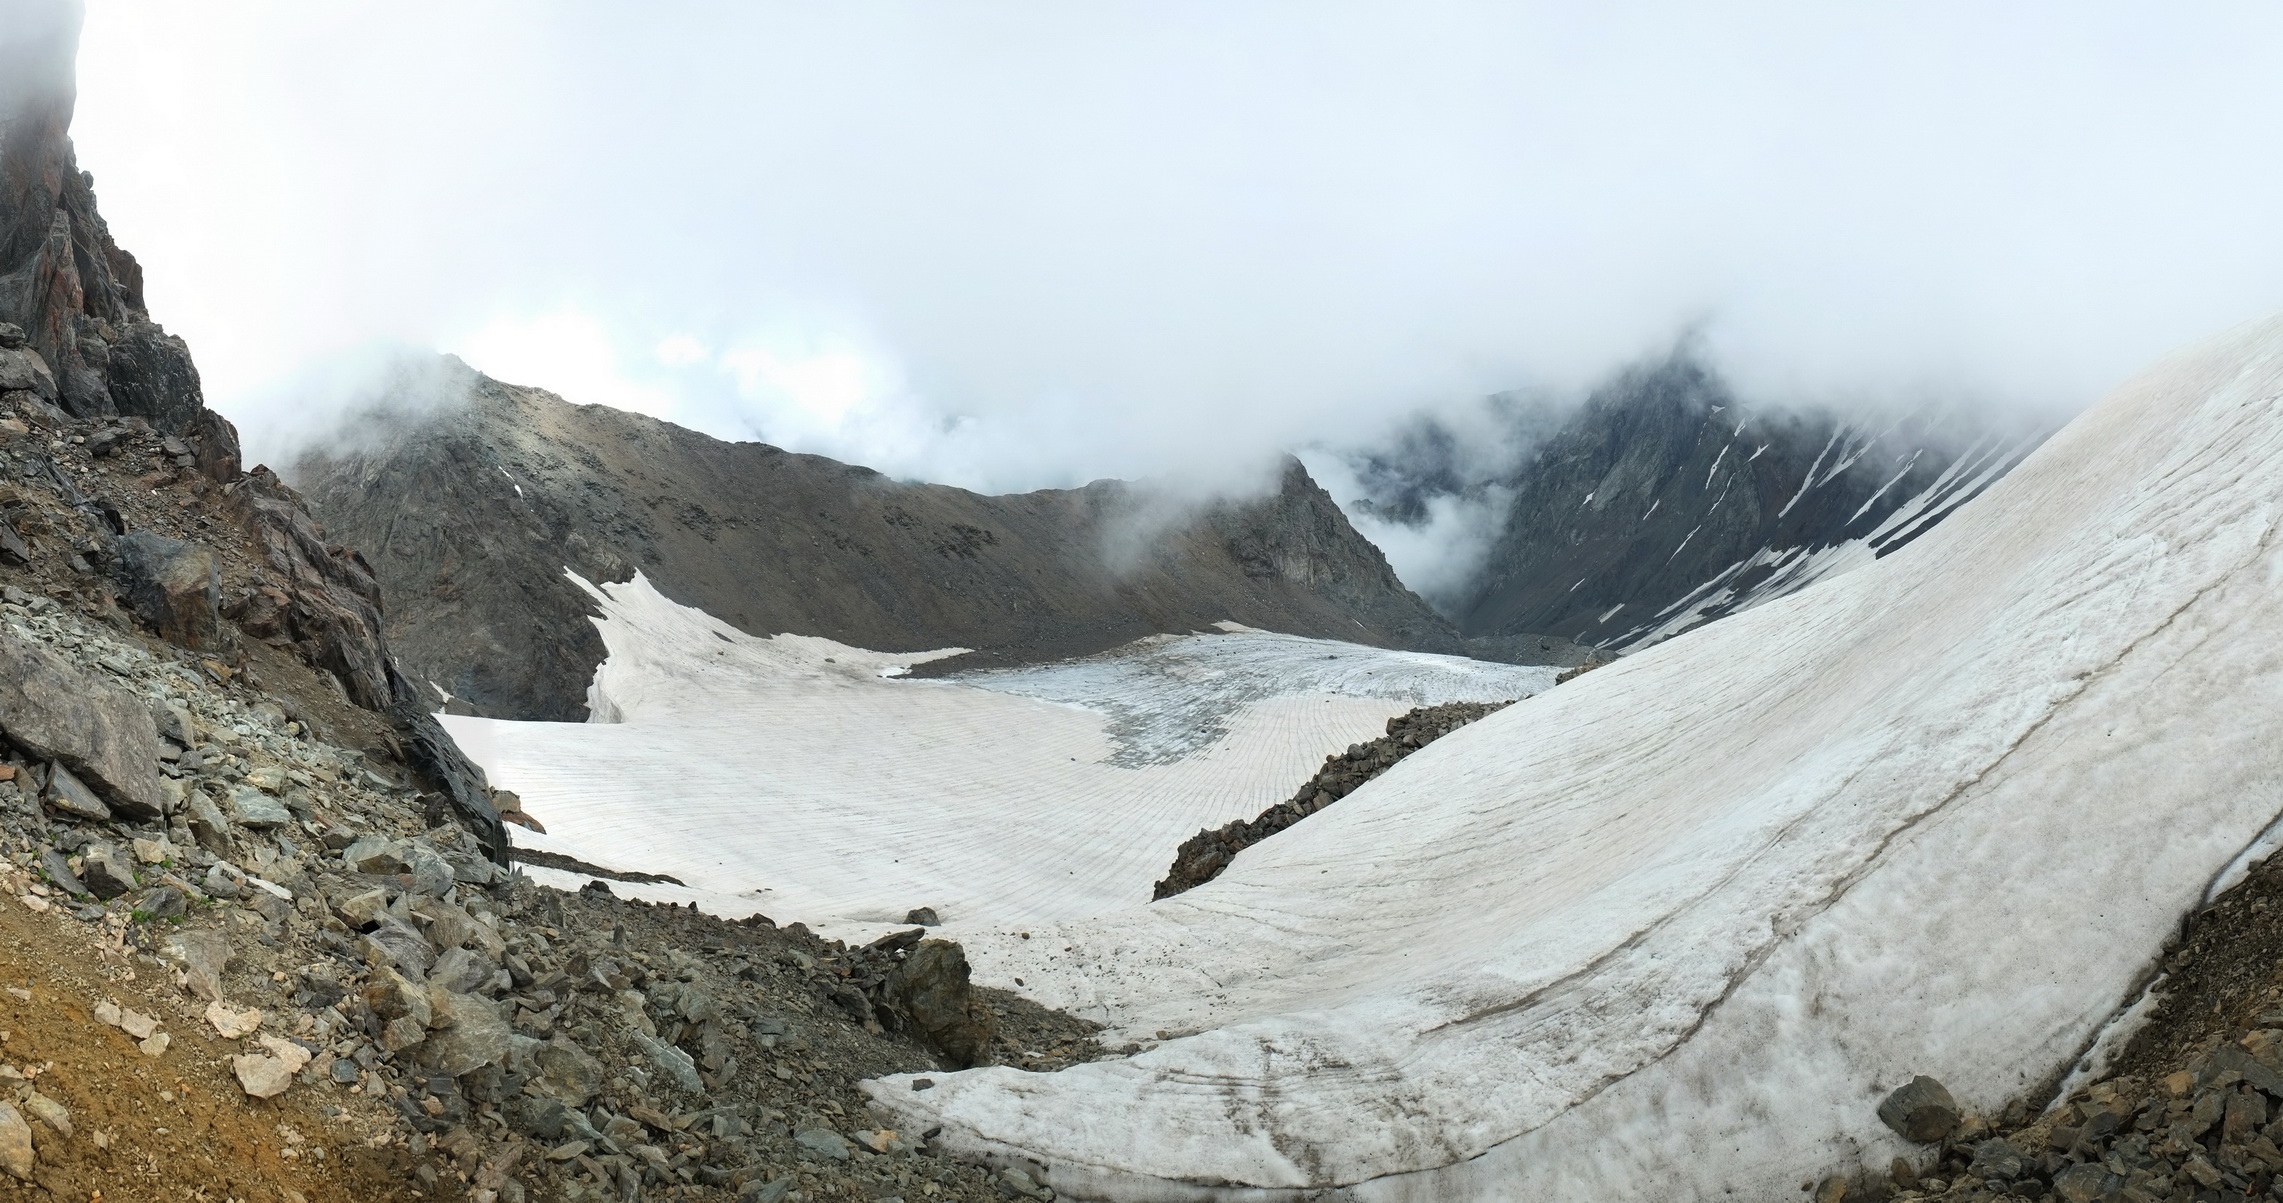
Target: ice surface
(805, 779)
(1671, 931)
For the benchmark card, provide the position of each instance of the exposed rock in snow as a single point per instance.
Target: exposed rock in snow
(1675, 929)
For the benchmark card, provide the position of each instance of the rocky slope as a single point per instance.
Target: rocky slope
(256, 919)
(473, 507)
(1666, 501)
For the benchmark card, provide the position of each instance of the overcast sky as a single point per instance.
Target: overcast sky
(1011, 245)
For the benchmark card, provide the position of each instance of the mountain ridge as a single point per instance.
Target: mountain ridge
(472, 508)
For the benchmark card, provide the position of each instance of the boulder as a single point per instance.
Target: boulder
(202, 955)
(107, 872)
(566, 1072)
(1921, 1110)
(57, 868)
(208, 824)
(66, 794)
(477, 1035)
(253, 808)
(932, 986)
(393, 996)
(375, 854)
(174, 586)
(101, 732)
(15, 1143)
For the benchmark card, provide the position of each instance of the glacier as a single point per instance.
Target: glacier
(1672, 930)
(814, 782)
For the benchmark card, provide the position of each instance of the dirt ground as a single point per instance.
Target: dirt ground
(172, 1127)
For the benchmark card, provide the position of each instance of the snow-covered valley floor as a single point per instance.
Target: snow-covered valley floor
(806, 780)
(1668, 932)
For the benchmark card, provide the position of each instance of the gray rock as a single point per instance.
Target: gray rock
(476, 1035)
(220, 884)
(376, 855)
(1998, 1159)
(567, 1072)
(208, 825)
(202, 955)
(824, 1142)
(66, 795)
(673, 1062)
(253, 808)
(173, 586)
(923, 917)
(54, 1114)
(358, 910)
(172, 721)
(766, 1192)
(12, 337)
(345, 1072)
(431, 874)
(108, 872)
(460, 970)
(1921, 1110)
(59, 874)
(2083, 1183)
(54, 710)
(932, 986)
(540, 1119)
(15, 1143)
(165, 902)
(402, 947)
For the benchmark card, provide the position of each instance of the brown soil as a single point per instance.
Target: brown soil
(170, 1127)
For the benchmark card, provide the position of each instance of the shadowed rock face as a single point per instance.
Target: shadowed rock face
(78, 349)
(77, 295)
(1665, 502)
(472, 509)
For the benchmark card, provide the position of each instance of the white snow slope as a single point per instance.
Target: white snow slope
(1671, 931)
(800, 778)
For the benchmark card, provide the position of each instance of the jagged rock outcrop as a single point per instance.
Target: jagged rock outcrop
(74, 292)
(117, 402)
(473, 504)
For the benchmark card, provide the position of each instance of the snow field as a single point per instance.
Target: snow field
(800, 778)
(1671, 931)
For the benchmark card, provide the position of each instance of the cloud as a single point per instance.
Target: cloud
(1013, 246)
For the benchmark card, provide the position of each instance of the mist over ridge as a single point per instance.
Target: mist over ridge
(1008, 249)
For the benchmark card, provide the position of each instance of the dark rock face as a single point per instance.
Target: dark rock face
(104, 735)
(78, 350)
(1202, 856)
(1665, 503)
(1920, 1110)
(931, 986)
(75, 293)
(473, 510)
(172, 584)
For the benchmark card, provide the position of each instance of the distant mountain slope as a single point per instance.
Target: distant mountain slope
(472, 511)
(1665, 502)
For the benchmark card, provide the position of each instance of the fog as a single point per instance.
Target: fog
(1019, 245)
